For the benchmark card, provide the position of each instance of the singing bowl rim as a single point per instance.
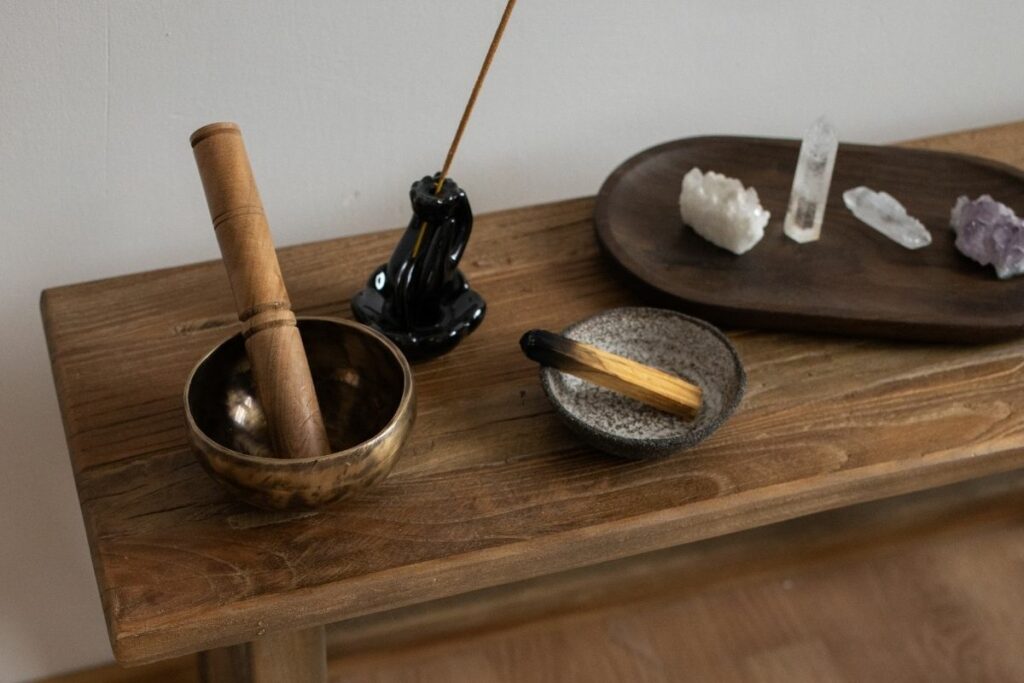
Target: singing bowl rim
(362, 449)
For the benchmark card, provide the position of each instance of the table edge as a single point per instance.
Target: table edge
(632, 536)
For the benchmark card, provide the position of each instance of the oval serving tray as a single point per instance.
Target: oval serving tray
(852, 281)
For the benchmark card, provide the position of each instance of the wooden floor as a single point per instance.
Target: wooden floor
(918, 588)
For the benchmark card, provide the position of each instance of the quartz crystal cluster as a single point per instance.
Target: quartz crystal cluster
(990, 233)
(885, 214)
(811, 182)
(722, 211)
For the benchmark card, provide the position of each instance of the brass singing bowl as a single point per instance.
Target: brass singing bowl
(367, 398)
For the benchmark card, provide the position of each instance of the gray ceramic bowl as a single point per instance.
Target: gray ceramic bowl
(690, 348)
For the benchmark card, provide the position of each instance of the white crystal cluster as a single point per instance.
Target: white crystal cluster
(722, 211)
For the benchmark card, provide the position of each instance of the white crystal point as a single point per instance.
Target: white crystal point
(722, 211)
(885, 214)
(821, 139)
(811, 181)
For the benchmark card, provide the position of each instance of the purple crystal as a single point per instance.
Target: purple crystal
(990, 233)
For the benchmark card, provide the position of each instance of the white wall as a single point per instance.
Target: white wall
(343, 104)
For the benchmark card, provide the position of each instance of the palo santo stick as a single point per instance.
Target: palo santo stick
(649, 385)
(280, 370)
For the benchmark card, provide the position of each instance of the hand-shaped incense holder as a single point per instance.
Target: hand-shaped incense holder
(420, 299)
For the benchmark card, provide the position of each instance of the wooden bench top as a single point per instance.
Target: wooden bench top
(491, 488)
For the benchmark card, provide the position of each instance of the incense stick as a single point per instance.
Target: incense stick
(467, 111)
(473, 95)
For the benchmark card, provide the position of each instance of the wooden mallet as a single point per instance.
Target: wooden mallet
(280, 370)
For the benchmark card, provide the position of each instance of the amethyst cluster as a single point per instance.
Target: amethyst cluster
(990, 233)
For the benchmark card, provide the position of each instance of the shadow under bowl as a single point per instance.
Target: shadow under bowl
(367, 398)
(679, 344)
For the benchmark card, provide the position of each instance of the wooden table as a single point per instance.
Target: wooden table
(492, 489)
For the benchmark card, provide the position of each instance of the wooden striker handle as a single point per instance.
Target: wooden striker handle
(279, 366)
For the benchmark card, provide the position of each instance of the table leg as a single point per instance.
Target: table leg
(291, 657)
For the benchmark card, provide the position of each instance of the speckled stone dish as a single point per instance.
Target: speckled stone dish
(690, 348)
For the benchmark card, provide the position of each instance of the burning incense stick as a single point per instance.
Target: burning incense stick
(468, 110)
(476, 91)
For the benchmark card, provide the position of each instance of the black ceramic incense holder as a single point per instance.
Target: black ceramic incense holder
(420, 299)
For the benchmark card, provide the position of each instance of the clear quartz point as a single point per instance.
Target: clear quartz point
(811, 181)
(882, 212)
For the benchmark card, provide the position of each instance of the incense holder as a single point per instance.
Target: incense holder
(420, 299)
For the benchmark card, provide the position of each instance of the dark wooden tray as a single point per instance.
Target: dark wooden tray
(852, 281)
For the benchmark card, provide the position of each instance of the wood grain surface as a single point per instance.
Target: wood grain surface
(492, 489)
(922, 587)
(285, 657)
(852, 281)
(917, 588)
